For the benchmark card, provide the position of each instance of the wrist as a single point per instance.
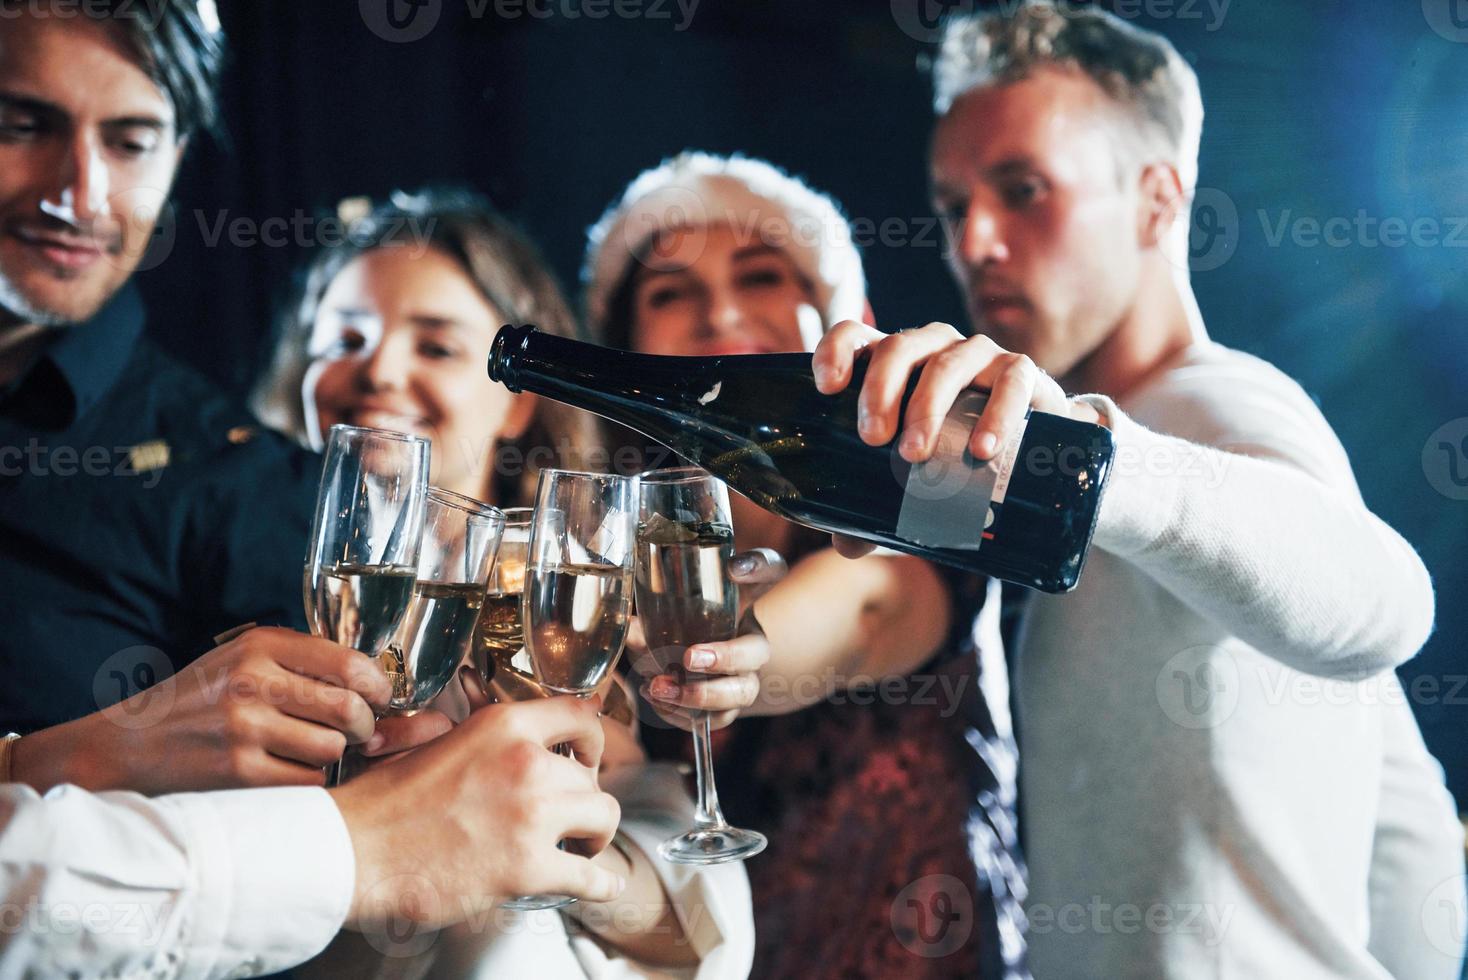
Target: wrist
(1083, 409)
(63, 754)
(368, 881)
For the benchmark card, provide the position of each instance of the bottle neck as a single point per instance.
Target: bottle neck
(580, 374)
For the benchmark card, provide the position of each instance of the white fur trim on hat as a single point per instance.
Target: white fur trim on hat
(755, 198)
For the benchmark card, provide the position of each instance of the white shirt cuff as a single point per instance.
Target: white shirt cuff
(276, 872)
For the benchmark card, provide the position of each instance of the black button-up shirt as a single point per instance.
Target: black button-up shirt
(141, 513)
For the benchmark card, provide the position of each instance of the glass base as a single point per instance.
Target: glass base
(534, 903)
(712, 845)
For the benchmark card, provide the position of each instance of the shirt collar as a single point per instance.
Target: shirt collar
(90, 356)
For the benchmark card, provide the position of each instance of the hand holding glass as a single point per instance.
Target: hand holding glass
(578, 588)
(365, 538)
(685, 539)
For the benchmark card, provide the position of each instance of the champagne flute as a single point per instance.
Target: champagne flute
(578, 589)
(685, 539)
(500, 661)
(365, 539)
(461, 537)
(499, 647)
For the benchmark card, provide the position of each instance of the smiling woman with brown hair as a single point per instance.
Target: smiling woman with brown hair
(393, 329)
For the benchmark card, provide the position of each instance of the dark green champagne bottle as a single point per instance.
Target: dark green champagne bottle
(758, 423)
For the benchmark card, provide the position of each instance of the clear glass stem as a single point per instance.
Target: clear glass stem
(708, 815)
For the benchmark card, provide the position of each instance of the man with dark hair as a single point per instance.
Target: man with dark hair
(141, 513)
(1220, 773)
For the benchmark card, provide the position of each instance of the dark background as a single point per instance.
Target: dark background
(1320, 110)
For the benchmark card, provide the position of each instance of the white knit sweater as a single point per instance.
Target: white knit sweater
(1203, 721)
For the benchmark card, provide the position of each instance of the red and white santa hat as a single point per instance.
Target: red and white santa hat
(755, 198)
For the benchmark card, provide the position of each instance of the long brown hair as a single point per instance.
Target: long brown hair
(510, 274)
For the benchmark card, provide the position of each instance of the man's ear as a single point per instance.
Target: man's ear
(1162, 202)
(518, 418)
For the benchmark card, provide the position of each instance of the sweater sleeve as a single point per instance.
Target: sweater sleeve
(1249, 513)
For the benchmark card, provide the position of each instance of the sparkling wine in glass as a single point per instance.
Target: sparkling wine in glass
(500, 660)
(500, 657)
(461, 537)
(365, 538)
(577, 598)
(685, 539)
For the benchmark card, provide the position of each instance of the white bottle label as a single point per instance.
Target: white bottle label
(951, 500)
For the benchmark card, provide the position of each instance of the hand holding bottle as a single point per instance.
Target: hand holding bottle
(760, 423)
(950, 363)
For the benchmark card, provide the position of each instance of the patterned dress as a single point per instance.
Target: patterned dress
(890, 814)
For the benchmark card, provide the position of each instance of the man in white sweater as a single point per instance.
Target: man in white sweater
(1221, 775)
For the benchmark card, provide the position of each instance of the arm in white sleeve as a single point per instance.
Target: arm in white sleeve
(193, 885)
(1254, 520)
(1416, 883)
